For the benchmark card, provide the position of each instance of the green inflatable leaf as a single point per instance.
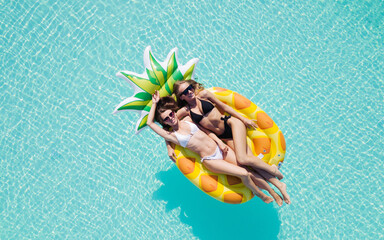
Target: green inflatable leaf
(157, 76)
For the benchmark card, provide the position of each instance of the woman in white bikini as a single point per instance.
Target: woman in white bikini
(188, 135)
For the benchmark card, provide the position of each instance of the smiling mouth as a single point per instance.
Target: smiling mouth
(190, 94)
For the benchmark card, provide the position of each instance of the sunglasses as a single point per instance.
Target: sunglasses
(185, 92)
(171, 115)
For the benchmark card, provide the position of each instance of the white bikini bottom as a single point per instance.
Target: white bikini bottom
(217, 155)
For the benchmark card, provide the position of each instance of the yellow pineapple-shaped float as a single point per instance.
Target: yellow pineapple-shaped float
(267, 139)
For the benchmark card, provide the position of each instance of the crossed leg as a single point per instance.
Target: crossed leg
(243, 154)
(280, 185)
(229, 166)
(262, 176)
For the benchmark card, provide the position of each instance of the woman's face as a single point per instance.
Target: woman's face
(169, 117)
(187, 92)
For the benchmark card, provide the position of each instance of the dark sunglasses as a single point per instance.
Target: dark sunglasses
(185, 92)
(171, 115)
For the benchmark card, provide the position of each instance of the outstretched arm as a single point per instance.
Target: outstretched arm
(168, 136)
(247, 122)
(171, 151)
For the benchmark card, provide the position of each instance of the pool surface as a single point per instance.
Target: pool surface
(72, 170)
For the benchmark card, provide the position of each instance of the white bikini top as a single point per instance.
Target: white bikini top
(184, 138)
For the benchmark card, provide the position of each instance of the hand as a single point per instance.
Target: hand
(156, 97)
(250, 123)
(172, 154)
(224, 148)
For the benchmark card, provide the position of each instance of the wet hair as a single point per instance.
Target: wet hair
(176, 89)
(164, 104)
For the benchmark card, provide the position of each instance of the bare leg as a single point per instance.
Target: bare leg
(260, 182)
(244, 154)
(256, 178)
(280, 185)
(226, 167)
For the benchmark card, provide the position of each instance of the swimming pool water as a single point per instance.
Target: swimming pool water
(71, 169)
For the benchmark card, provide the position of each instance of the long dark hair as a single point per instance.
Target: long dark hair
(165, 103)
(176, 89)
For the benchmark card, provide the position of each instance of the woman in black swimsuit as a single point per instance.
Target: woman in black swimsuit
(203, 107)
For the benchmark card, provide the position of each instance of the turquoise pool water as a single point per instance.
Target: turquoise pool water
(71, 169)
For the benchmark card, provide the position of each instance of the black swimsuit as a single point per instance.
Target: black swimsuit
(227, 129)
(207, 107)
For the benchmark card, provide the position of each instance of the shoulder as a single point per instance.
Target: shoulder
(193, 127)
(182, 112)
(205, 93)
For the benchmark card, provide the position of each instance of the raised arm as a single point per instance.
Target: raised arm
(168, 136)
(247, 122)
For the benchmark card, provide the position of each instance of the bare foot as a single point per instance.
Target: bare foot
(263, 196)
(277, 173)
(283, 190)
(267, 199)
(277, 198)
